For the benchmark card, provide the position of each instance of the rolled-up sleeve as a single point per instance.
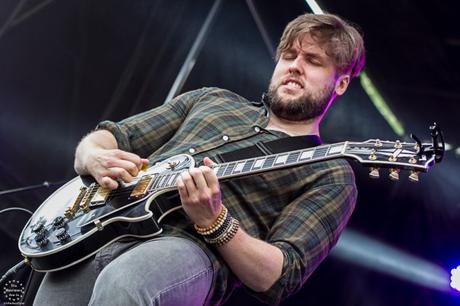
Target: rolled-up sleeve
(308, 228)
(144, 133)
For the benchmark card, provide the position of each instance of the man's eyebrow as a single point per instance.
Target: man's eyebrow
(315, 55)
(291, 49)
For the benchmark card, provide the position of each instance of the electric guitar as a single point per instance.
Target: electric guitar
(82, 217)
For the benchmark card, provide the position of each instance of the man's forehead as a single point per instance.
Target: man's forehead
(307, 44)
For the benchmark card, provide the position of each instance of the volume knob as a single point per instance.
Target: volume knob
(40, 238)
(59, 222)
(42, 242)
(38, 227)
(62, 235)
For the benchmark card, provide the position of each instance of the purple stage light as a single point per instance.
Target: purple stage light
(455, 278)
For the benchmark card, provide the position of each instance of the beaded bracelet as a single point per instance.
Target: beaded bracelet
(215, 225)
(226, 236)
(221, 231)
(218, 226)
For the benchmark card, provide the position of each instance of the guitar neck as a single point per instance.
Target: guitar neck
(246, 167)
(278, 161)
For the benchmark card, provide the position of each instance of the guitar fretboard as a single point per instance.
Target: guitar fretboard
(260, 164)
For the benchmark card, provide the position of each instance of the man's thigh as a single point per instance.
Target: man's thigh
(163, 271)
(166, 270)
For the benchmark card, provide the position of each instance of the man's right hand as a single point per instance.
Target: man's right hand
(98, 155)
(109, 166)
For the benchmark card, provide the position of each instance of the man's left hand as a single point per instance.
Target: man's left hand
(200, 194)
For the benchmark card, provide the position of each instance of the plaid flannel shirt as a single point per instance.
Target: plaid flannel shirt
(300, 210)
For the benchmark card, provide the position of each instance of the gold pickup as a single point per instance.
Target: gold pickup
(142, 186)
(101, 196)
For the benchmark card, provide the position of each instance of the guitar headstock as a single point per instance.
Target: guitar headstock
(396, 155)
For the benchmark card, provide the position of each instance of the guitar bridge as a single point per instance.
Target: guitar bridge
(72, 210)
(142, 187)
(88, 197)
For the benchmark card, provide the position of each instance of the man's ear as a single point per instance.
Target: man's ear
(341, 84)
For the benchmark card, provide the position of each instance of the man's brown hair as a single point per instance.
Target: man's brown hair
(341, 41)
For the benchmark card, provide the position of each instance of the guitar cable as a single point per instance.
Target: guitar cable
(16, 208)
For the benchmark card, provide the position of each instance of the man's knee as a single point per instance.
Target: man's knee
(119, 286)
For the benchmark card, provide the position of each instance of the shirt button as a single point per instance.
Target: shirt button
(191, 150)
(225, 138)
(257, 129)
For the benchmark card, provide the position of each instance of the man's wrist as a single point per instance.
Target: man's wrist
(215, 224)
(221, 231)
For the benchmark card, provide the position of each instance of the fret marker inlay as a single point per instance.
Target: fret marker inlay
(258, 163)
(306, 154)
(239, 167)
(281, 159)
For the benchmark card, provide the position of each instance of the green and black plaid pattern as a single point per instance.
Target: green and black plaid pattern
(301, 210)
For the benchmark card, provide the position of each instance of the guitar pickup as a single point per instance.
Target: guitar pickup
(142, 187)
(100, 197)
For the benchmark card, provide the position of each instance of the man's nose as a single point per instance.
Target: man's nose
(295, 66)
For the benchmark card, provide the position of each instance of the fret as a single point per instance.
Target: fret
(269, 161)
(258, 163)
(248, 165)
(168, 180)
(221, 169)
(229, 169)
(306, 155)
(320, 152)
(239, 166)
(280, 159)
(155, 184)
(293, 157)
(161, 182)
(336, 149)
(165, 180)
(175, 177)
(216, 168)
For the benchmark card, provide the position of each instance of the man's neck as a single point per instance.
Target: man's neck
(293, 128)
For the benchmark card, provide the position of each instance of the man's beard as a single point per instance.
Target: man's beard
(308, 106)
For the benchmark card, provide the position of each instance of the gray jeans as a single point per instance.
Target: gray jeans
(162, 271)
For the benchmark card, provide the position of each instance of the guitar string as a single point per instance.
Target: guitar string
(127, 190)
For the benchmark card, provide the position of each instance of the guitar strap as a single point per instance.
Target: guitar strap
(270, 147)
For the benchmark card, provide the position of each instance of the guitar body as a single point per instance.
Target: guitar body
(54, 238)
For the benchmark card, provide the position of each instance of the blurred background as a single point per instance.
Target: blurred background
(66, 65)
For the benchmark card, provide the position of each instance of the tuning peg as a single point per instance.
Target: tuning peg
(413, 177)
(372, 156)
(374, 173)
(394, 174)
